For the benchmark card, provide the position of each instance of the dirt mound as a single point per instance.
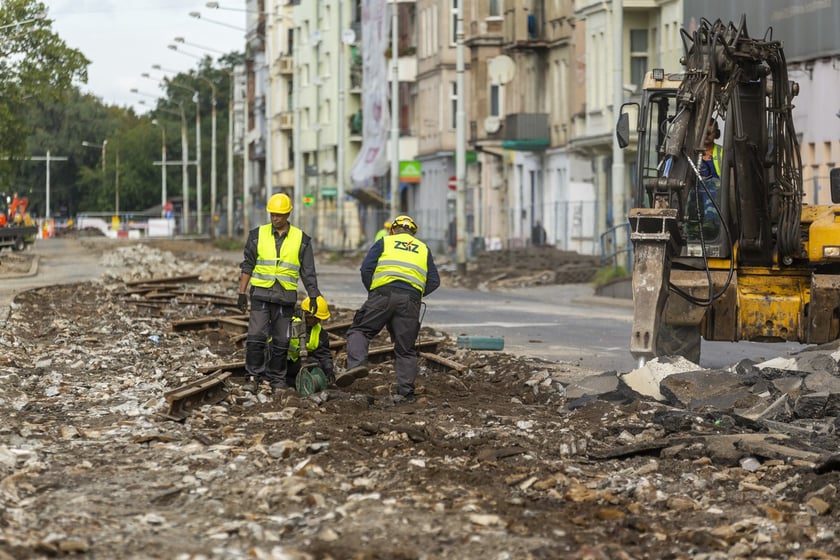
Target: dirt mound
(532, 266)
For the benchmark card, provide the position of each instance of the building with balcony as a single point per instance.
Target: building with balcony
(431, 201)
(650, 37)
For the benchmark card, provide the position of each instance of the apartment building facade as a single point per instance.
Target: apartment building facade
(540, 112)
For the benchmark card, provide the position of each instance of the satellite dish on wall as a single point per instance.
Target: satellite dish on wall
(315, 38)
(348, 36)
(492, 124)
(501, 69)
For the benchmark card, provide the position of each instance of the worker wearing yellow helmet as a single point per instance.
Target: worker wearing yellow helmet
(386, 229)
(397, 271)
(277, 256)
(317, 341)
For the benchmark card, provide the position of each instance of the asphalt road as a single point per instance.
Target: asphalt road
(564, 323)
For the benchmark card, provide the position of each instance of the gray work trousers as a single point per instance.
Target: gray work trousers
(399, 311)
(268, 321)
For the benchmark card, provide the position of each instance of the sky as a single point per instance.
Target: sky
(124, 38)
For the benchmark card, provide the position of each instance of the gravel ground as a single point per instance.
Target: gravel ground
(492, 462)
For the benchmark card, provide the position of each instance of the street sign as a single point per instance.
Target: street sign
(308, 200)
(329, 192)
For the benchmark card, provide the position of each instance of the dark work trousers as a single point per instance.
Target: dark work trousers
(268, 321)
(399, 311)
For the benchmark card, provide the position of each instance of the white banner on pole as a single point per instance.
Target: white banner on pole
(372, 160)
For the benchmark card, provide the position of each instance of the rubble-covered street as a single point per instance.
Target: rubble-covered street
(500, 458)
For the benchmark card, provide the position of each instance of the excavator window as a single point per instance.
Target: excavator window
(656, 121)
(834, 179)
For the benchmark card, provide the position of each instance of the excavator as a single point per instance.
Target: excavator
(740, 257)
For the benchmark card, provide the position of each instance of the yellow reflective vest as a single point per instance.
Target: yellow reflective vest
(271, 267)
(403, 258)
(311, 342)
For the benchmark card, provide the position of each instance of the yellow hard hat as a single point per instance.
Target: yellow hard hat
(405, 222)
(279, 204)
(387, 224)
(323, 311)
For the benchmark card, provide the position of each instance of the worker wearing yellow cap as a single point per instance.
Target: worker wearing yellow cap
(277, 256)
(386, 229)
(317, 342)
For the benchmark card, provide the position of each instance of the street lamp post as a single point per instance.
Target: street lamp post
(185, 156)
(213, 176)
(198, 183)
(395, 111)
(213, 165)
(163, 165)
(269, 116)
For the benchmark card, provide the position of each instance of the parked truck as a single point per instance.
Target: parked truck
(17, 230)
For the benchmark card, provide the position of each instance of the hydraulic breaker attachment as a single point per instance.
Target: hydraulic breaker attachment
(655, 236)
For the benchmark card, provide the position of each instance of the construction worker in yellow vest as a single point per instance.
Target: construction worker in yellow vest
(397, 271)
(382, 232)
(708, 189)
(277, 256)
(317, 342)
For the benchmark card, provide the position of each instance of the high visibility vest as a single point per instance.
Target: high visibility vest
(717, 156)
(311, 343)
(283, 268)
(380, 234)
(403, 258)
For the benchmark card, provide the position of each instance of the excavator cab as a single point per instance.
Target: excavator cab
(707, 207)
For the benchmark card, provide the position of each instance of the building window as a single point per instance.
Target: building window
(453, 102)
(454, 13)
(638, 56)
(493, 9)
(495, 109)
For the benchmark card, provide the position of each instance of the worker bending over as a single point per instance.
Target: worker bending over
(397, 271)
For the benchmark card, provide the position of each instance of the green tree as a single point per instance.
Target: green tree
(36, 65)
(61, 126)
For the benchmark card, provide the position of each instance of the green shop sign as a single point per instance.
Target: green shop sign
(410, 171)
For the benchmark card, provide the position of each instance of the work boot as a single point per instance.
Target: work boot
(396, 400)
(348, 377)
(278, 386)
(250, 385)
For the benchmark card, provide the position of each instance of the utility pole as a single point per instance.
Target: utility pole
(230, 117)
(163, 165)
(198, 185)
(213, 176)
(460, 148)
(617, 181)
(342, 128)
(395, 111)
(48, 159)
(269, 116)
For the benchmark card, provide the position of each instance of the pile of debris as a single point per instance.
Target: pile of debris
(16, 263)
(500, 457)
(530, 266)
